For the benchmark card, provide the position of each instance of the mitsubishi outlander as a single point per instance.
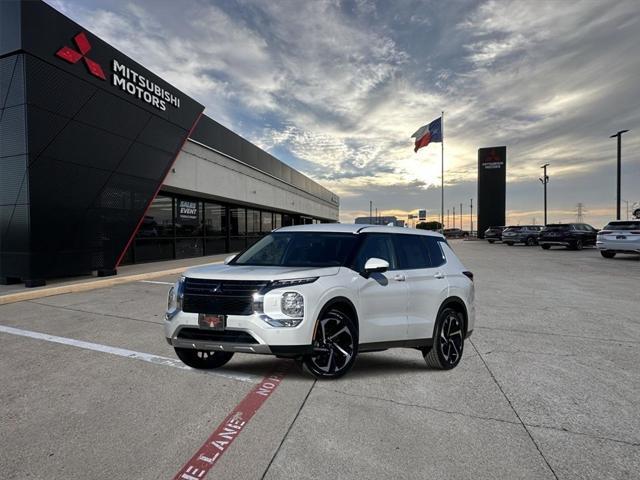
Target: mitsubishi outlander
(322, 294)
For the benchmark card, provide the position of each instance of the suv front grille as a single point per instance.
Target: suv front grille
(223, 297)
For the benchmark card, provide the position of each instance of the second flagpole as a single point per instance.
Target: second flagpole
(442, 173)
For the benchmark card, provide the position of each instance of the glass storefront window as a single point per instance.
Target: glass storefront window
(158, 221)
(277, 220)
(253, 221)
(238, 221)
(267, 222)
(215, 220)
(189, 247)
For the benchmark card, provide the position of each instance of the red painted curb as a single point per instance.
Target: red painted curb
(223, 436)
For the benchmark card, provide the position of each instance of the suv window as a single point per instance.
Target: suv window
(412, 252)
(434, 247)
(375, 246)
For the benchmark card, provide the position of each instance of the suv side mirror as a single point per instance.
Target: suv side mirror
(229, 258)
(376, 265)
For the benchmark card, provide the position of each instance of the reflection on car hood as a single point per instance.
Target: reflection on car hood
(246, 272)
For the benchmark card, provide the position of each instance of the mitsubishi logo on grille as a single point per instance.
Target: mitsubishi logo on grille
(74, 56)
(217, 288)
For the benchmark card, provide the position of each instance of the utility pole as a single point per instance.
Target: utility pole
(370, 212)
(627, 202)
(454, 217)
(460, 215)
(545, 180)
(619, 136)
(580, 211)
(471, 214)
(448, 219)
(376, 215)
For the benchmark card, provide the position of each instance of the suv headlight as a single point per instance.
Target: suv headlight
(174, 299)
(292, 304)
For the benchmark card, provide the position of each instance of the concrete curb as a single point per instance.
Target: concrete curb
(90, 285)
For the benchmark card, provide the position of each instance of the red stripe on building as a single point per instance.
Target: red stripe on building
(223, 436)
(164, 178)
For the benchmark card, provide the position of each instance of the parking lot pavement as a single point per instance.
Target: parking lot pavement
(547, 388)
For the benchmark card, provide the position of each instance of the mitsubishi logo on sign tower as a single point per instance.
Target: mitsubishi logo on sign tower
(73, 56)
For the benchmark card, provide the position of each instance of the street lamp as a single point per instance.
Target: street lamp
(619, 136)
(545, 180)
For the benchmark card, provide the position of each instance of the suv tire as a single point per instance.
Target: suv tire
(448, 341)
(509, 243)
(545, 246)
(577, 245)
(530, 242)
(336, 341)
(491, 241)
(607, 254)
(202, 359)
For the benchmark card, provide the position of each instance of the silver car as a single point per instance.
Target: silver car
(620, 236)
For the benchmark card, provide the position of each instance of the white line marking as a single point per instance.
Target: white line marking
(122, 352)
(156, 282)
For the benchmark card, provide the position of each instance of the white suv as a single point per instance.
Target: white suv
(321, 294)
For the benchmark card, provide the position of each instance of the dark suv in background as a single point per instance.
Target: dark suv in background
(493, 234)
(527, 234)
(571, 235)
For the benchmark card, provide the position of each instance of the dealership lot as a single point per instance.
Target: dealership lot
(548, 387)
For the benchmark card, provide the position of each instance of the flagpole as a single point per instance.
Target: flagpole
(442, 173)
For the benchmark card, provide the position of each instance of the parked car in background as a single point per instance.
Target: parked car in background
(493, 234)
(527, 234)
(620, 236)
(571, 235)
(455, 233)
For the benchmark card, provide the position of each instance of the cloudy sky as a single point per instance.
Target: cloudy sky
(336, 88)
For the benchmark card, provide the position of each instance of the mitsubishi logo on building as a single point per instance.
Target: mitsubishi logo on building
(74, 56)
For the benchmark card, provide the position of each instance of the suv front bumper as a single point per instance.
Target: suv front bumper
(243, 333)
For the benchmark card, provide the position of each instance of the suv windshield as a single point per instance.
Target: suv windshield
(630, 225)
(299, 249)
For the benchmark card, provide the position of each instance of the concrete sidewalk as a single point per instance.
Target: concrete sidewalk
(126, 274)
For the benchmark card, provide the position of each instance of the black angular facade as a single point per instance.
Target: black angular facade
(81, 157)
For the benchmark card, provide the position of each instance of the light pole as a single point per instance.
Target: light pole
(619, 136)
(471, 215)
(545, 180)
(460, 215)
(454, 217)
(370, 212)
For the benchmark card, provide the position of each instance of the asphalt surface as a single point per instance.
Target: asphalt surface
(548, 388)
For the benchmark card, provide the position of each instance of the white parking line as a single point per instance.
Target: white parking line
(156, 283)
(122, 352)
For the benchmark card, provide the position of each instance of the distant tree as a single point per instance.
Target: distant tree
(429, 226)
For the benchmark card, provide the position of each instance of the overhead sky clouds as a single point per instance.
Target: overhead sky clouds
(336, 88)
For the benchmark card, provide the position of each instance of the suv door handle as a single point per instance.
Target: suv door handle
(399, 278)
(438, 275)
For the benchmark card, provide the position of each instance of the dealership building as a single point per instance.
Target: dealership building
(103, 163)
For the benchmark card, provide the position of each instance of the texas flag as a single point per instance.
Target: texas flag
(427, 134)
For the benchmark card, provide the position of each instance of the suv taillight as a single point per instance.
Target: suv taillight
(469, 275)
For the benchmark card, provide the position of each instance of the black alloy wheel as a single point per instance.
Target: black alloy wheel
(531, 242)
(335, 345)
(545, 246)
(448, 341)
(201, 359)
(577, 245)
(607, 254)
